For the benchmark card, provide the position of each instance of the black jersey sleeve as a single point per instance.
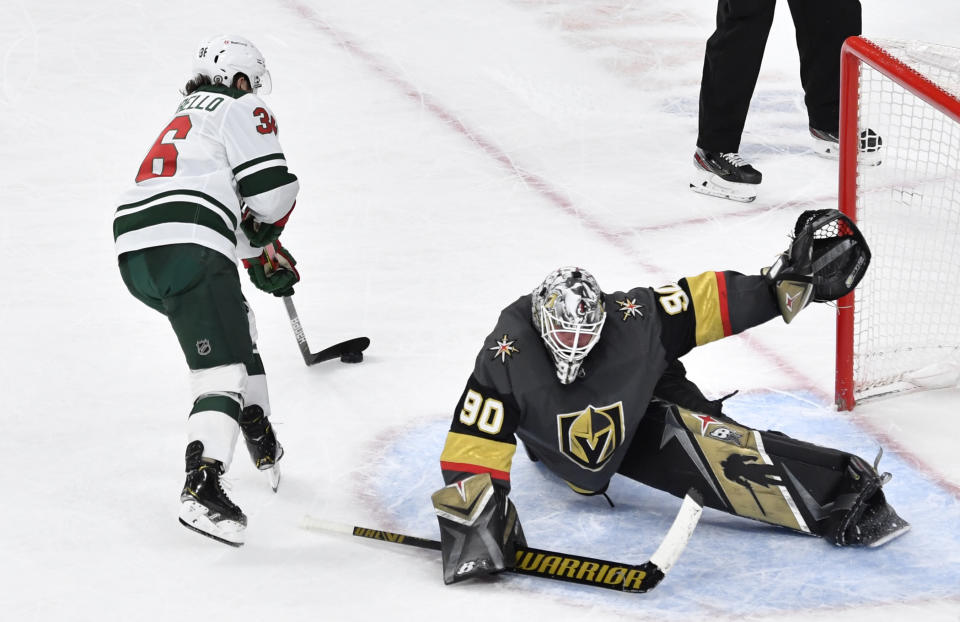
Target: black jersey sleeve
(481, 437)
(675, 387)
(711, 306)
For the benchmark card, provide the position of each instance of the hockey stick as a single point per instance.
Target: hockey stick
(349, 351)
(618, 576)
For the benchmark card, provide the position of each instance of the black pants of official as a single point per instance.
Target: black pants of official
(735, 50)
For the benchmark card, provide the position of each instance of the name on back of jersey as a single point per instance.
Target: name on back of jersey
(201, 101)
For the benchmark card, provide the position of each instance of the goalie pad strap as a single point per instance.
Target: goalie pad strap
(866, 484)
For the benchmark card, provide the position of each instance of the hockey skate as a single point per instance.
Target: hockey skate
(724, 175)
(265, 450)
(827, 145)
(205, 507)
(871, 521)
(879, 524)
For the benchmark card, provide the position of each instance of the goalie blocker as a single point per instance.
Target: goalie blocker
(479, 528)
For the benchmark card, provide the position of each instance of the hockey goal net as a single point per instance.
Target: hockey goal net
(900, 329)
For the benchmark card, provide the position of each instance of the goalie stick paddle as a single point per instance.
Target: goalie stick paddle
(612, 575)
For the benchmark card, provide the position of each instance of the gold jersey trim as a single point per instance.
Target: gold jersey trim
(706, 305)
(473, 450)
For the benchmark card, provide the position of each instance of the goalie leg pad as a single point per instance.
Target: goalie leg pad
(839, 494)
(766, 476)
(479, 528)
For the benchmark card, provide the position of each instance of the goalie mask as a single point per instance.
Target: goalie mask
(568, 311)
(223, 57)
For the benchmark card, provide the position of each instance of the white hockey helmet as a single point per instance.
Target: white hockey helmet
(222, 57)
(568, 310)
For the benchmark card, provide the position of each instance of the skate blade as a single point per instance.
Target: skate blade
(194, 517)
(273, 468)
(831, 151)
(274, 474)
(711, 185)
(890, 536)
(870, 158)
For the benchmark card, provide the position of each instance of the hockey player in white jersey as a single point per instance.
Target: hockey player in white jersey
(214, 188)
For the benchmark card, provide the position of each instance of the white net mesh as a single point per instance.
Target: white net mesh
(907, 316)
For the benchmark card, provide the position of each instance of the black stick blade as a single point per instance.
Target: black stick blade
(349, 347)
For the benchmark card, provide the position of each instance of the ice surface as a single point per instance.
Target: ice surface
(451, 154)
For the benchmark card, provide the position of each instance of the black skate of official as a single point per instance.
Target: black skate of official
(827, 145)
(205, 507)
(724, 175)
(265, 450)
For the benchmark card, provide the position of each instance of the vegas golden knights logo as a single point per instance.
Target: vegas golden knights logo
(589, 437)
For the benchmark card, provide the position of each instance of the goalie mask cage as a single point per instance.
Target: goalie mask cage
(901, 328)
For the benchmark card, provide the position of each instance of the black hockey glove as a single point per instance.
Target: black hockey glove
(826, 260)
(273, 270)
(479, 528)
(262, 233)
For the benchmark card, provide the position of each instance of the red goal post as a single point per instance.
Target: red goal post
(901, 318)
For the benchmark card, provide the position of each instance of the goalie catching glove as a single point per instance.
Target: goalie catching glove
(479, 528)
(825, 261)
(273, 270)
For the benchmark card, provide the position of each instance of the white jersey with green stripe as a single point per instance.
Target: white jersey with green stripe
(218, 159)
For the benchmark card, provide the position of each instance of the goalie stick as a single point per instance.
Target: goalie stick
(349, 351)
(618, 576)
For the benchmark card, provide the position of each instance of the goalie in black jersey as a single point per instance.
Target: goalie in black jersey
(591, 383)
